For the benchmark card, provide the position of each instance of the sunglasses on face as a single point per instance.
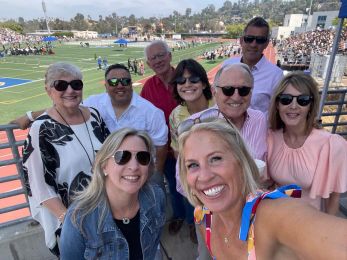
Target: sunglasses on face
(258, 39)
(62, 85)
(123, 157)
(115, 81)
(160, 56)
(192, 79)
(230, 90)
(302, 100)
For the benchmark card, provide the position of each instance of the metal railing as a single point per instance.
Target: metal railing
(335, 109)
(13, 145)
(334, 112)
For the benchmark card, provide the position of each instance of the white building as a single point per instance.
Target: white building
(295, 20)
(298, 23)
(322, 19)
(85, 34)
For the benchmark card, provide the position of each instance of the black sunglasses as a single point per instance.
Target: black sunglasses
(192, 79)
(230, 90)
(258, 39)
(302, 100)
(62, 85)
(123, 157)
(123, 81)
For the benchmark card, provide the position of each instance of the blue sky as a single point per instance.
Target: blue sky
(66, 9)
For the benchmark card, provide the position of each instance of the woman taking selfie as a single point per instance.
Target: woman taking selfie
(237, 219)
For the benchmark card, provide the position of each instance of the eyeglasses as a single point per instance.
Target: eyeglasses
(258, 39)
(123, 157)
(230, 90)
(62, 85)
(123, 81)
(302, 100)
(192, 79)
(160, 55)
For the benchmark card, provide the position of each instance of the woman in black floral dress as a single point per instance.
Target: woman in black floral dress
(60, 149)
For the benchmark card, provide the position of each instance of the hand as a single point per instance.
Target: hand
(23, 122)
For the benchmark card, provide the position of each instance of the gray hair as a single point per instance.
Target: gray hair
(95, 194)
(231, 136)
(61, 69)
(156, 42)
(241, 66)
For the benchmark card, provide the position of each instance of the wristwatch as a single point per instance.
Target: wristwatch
(30, 116)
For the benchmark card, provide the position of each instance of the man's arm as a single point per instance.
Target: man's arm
(161, 152)
(24, 122)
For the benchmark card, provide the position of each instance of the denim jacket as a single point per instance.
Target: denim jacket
(108, 241)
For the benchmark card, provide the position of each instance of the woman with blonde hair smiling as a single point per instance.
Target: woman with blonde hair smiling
(237, 219)
(120, 215)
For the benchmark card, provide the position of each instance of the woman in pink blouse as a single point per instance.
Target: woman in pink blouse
(301, 153)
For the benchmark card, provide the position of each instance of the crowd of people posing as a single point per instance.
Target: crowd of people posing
(95, 168)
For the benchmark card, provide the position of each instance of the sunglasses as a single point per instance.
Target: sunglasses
(230, 90)
(62, 85)
(123, 157)
(115, 81)
(209, 115)
(302, 100)
(192, 79)
(258, 39)
(160, 56)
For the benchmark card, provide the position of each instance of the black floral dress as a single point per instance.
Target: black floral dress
(56, 164)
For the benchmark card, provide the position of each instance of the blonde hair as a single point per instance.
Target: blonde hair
(95, 194)
(231, 136)
(306, 85)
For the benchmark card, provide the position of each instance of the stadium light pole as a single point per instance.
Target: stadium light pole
(45, 12)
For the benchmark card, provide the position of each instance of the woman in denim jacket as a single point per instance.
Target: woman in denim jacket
(119, 215)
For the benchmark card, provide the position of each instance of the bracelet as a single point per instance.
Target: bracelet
(61, 217)
(30, 116)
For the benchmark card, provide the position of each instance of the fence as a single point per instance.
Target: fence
(13, 145)
(333, 118)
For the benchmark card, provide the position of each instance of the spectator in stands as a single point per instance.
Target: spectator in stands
(296, 50)
(237, 219)
(158, 91)
(266, 75)
(192, 91)
(120, 215)
(59, 151)
(232, 90)
(298, 151)
(121, 107)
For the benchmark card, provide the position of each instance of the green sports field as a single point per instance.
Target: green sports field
(16, 100)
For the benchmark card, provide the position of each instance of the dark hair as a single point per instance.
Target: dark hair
(114, 67)
(194, 68)
(258, 22)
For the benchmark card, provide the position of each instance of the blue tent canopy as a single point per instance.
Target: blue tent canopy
(49, 39)
(122, 41)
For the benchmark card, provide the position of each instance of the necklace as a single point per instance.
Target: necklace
(90, 139)
(126, 221)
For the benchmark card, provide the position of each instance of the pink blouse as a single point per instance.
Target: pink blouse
(319, 166)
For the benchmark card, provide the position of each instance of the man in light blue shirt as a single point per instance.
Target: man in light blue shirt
(266, 75)
(121, 107)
